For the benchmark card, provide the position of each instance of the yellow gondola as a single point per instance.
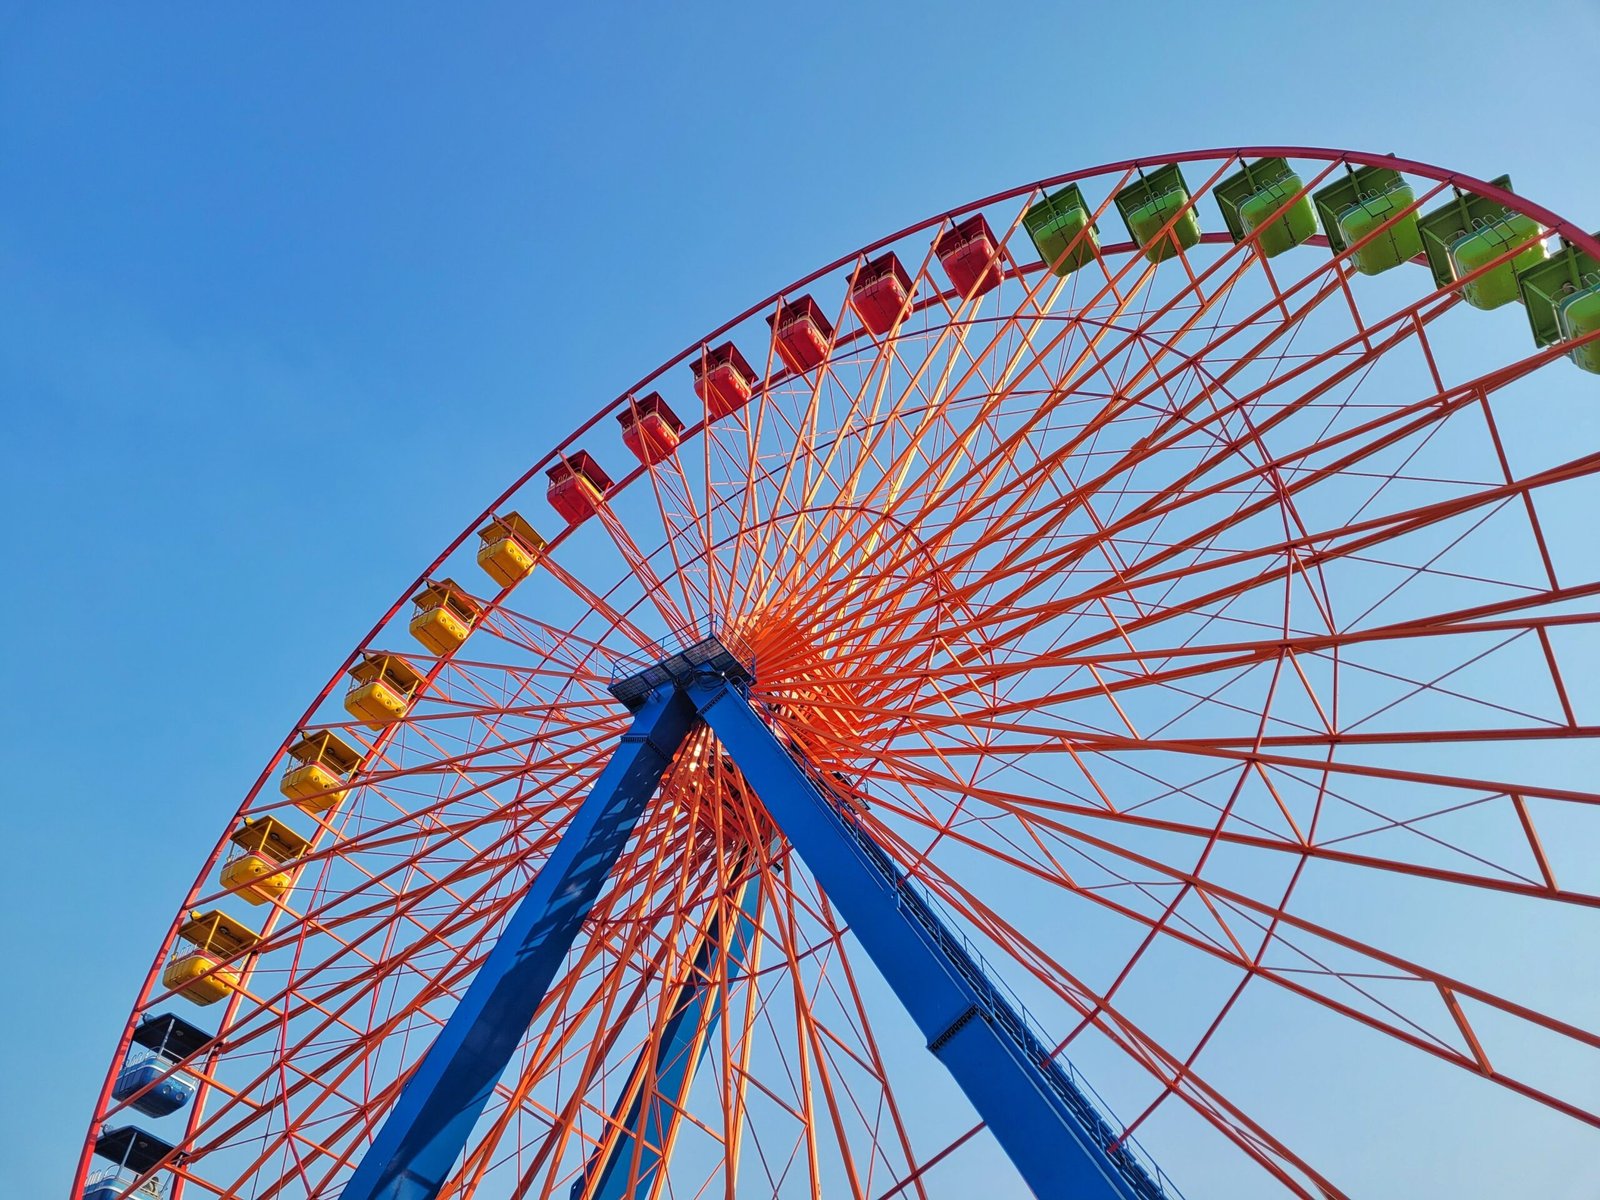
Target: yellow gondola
(381, 688)
(320, 764)
(511, 549)
(199, 974)
(262, 870)
(444, 617)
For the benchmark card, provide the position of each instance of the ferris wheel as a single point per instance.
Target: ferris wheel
(1042, 698)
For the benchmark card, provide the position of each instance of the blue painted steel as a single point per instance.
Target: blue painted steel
(114, 1187)
(1049, 1128)
(1045, 1124)
(646, 1129)
(164, 1096)
(426, 1131)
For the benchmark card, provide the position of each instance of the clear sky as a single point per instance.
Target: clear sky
(288, 292)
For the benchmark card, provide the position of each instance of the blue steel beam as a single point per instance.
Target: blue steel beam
(428, 1127)
(657, 1088)
(1052, 1133)
(1046, 1125)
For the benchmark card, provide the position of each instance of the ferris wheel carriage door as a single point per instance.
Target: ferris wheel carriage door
(1578, 316)
(509, 549)
(801, 334)
(1373, 203)
(1063, 230)
(1384, 220)
(1500, 247)
(1562, 295)
(319, 765)
(1472, 234)
(650, 429)
(723, 380)
(1265, 198)
(444, 616)
(1158, 214)
(260, 870)
(881, 293)
(149, 1080)
(970, 255)
(577, 486)
(381, 688)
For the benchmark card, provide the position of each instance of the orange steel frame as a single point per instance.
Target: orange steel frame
(965, 508)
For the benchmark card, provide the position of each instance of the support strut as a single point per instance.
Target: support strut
(1049, 1129)
(430, 1123)
(1059, 1141)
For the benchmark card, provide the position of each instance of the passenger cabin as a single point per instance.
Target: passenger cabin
(577, 486)
(1469, 233)
(444, 616)
(881, 293)
(148, 1080)
(1158, 214)
(723, 380)
(801, 333)
(650, 429)
(1266, 198)
(133, 1155)
(1562, 296)
(262, 870)
(200, 974)
(510, 549)
(320, 764)
(1062, 230)
(381, 689)
(1370, 213)
(970, 255)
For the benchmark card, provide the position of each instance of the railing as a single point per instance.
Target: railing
(687, 655)
(121, 1179)
(138, 1056)
(681, 643)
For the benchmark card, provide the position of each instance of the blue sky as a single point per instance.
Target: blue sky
(285, 298)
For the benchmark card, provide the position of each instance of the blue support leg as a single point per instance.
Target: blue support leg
(657, 1088)
(1055, 1136)
(427, 1129)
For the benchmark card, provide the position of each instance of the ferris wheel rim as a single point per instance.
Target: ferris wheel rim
(1517, 202)
(1438, 175)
